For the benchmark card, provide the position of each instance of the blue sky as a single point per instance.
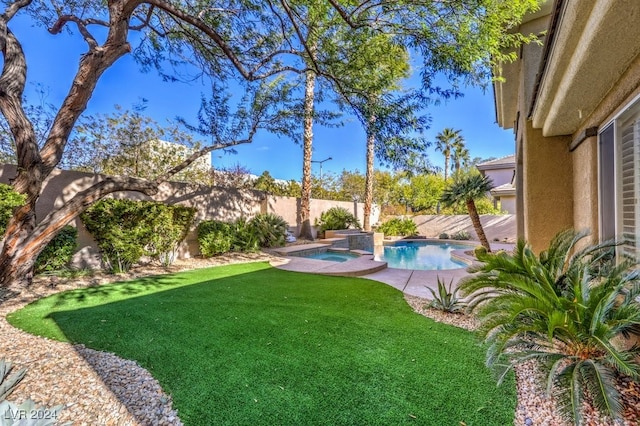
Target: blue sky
(53, 60)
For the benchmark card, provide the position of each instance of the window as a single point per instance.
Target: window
(628, 185)
(619, 181)
(606, 151)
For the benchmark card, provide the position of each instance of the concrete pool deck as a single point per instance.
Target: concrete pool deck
(409, 281)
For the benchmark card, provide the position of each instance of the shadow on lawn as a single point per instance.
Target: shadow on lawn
(146, 400)
(141, 286)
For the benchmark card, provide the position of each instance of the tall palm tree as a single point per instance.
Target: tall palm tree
(563, 308)
(467, 189)
(460, 155)
(445, 141)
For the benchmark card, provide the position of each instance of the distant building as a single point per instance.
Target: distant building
(502, 172)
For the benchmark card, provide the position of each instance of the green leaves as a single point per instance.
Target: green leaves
(445, 299)
(564, 308)
(337, 218)
(9, 200)
(125, 230)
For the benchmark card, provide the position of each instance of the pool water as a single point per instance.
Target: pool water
(422, 255)
(332, 256)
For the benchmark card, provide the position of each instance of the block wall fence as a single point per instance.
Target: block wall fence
(212, 203)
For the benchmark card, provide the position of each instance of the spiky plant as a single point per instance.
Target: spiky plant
(9, 380)
(467, 189)
(445, 299)
(563, 308)
(270, 229)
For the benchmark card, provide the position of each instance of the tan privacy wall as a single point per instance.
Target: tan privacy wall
(496, 227)
(217, 203)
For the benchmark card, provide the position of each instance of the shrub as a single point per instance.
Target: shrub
(244, 238)
(126, 230)
(444, 236)
(461, 235)
(445, 299)
(480, 252)
(397, 226)
(337, 218)
(9, 200)
(270, 229)
(563, 308)
(57, 254)
(168, 226)
(214, 237)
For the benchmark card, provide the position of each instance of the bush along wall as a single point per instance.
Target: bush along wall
(399, 227)
(57, 254)
(126, 230)
(264, 230)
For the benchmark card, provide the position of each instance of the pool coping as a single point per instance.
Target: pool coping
(409, 281)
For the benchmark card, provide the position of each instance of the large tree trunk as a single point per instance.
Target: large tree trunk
(22, 243)
(477, 225)
(368, 185)
(307, 149)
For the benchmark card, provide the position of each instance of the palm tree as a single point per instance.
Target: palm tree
(563, 308)
(460, 155)
(445, 141)
(467, 189)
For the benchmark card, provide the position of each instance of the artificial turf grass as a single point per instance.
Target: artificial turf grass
(249, 344)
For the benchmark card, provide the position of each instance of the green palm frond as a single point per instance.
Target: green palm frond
(563, 308)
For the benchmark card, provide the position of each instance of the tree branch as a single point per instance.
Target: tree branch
(193, 157)
(82, 27)
(14, 8)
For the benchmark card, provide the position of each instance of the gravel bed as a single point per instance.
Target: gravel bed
(99, 388)
(534, 407)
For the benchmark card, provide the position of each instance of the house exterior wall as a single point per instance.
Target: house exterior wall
(585, 188)
(547, 186)
(500, 176)
(508, 204)
(591, 74)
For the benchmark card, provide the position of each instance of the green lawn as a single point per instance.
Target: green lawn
(252, 345)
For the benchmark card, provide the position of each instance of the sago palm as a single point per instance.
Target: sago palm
(467, 189)
(563, 308)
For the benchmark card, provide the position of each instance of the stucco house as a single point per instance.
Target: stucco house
(574, 105)
(502, 173)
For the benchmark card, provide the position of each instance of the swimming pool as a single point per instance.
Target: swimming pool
(422, 255)
(331, 256)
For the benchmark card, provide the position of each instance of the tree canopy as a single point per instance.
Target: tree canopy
(253, 43)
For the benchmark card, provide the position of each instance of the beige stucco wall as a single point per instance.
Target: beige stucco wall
(508, 204)
(547, 186)
(288, 208)
(496, 227)
(585, 187)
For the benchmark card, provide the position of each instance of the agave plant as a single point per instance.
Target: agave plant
(9, 380)
(445, 299)
(563, 308)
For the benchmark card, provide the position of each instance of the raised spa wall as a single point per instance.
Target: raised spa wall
(354, 239)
